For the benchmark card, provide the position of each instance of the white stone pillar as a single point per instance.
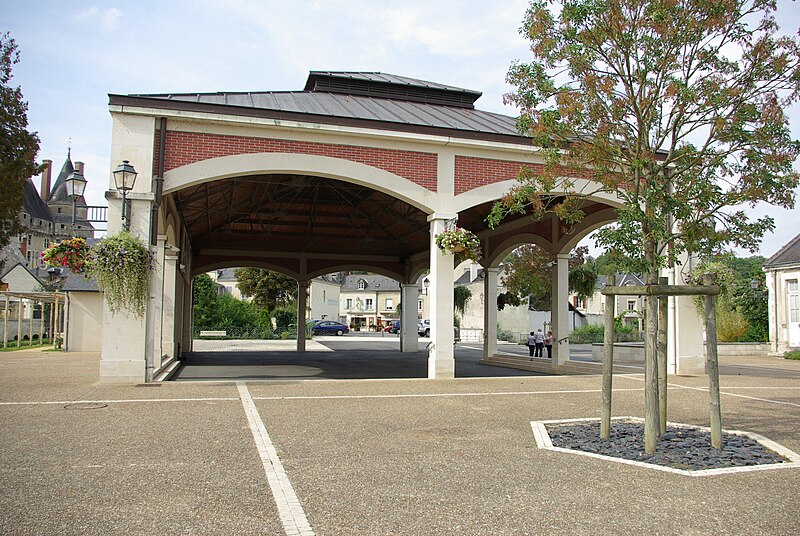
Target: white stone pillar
(302, 300)
(126, 341)
(441, 362)
(158, 302)
(490, 276)
(559, 308)
(170, 304)
(409, 338)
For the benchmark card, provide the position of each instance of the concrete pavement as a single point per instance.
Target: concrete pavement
(410, 456)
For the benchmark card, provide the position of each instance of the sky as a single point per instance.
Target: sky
(73, 54)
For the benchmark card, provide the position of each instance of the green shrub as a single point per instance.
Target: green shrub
(792, 354)
(587, 334)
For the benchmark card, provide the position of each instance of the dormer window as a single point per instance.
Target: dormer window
(362, 285)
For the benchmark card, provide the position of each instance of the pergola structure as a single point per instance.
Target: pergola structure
(357, 171)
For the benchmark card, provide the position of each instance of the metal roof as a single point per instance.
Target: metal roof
(374, 100)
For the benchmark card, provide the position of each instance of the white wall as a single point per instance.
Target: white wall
(85, 321)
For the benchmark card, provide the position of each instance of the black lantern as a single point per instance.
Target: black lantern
(76, 185)
(124, 179)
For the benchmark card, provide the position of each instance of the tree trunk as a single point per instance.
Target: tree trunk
(712, 365)
(663, 306)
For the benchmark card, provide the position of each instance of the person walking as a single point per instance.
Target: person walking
(531, 344)
(538, 337)
(548, 343)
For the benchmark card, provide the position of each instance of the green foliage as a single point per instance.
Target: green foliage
(461, 295)
(590, 333)
(204, 300)
(267, 288)
(18, 147)
(528, 272)
(793, 354)
(122, 265)
(742, 309)
(285, 317)
(663, 117)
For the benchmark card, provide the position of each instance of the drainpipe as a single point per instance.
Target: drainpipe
(157, 187)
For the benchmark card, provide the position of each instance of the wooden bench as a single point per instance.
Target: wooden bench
(222, 333)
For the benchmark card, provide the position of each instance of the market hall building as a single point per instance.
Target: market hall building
(358, 171)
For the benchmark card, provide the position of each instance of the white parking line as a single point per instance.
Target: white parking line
(290, 510)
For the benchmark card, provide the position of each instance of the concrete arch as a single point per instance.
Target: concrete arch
(364, 266)
(239, 263)
(510, 244)
(301, 164)
(492, 192)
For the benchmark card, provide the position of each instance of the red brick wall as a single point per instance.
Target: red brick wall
(473, 173)
(188, 147)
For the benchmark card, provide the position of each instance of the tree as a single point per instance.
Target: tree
(204, 301)
(527, 272)
(657, 110)
(676, 107)
(18, 147)
(268, 289)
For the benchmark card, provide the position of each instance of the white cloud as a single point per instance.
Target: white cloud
(106, 19)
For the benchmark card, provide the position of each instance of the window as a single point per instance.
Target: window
(369, 304)
(631, 305)
(389, 304)
(349, 303)
(362, 284)
(793, 300)
(419, 305)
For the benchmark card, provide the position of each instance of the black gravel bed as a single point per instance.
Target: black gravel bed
(680, 448)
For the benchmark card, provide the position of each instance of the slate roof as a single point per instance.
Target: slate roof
(374, 283)
(58, 194)
(786, 256)
(353, 98)
(33, 203)
(620, 280)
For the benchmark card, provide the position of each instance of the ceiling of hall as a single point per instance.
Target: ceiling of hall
(291, 213)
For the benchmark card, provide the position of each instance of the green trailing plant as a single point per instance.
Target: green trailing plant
(461, 296)
(122, 265)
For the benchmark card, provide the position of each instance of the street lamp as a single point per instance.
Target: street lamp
(124, 179)
(425, 283)
(76, 184)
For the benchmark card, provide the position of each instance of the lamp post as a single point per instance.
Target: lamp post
(76, 184)
(124, 179)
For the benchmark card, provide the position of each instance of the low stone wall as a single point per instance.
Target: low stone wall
(742, 348)
(633, 352)
(624, 352)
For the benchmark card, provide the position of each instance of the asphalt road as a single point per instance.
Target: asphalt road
(354, 356)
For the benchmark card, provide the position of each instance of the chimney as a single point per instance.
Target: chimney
(79, 167)
(48, 167)
(473, 271)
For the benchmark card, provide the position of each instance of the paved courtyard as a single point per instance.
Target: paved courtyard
(410, 456)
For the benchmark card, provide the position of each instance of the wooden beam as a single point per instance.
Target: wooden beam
(661, 290)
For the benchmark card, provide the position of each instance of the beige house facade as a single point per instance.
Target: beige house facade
(783, 287)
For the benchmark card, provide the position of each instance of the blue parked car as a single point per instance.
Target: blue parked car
(329, 327)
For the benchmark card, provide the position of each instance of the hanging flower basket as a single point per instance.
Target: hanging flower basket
(122, 266)
(72, 253)
(461, 241)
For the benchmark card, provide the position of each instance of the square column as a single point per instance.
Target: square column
(559, 308)
(490, 311)
(158, 302)
(170, 303)
(409, 338)
(441, 362)
(302, 301)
